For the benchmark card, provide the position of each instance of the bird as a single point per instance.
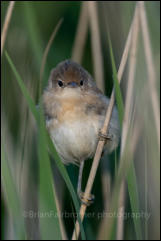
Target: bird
(74, 110)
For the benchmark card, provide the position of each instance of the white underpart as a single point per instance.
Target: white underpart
(76, 141)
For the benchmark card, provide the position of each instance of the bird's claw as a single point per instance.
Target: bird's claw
(87, 201)
(104, 136)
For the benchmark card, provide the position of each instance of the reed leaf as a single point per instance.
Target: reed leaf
(131, 175)
(52, 149)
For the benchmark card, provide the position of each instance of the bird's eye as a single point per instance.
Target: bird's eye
(81, 82)
(60, 83)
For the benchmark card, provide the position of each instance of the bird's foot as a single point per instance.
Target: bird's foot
(87, 201)
(104, 136)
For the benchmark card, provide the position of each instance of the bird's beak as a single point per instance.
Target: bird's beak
(72, 84)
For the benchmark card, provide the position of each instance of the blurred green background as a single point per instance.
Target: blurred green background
(29, 31)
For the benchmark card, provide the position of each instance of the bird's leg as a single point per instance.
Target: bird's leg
(86, 201)
(79, 186)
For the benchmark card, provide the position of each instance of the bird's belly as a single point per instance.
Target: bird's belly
(76, 141)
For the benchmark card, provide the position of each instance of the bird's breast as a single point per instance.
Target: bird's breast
(75, 133)
(75, 141)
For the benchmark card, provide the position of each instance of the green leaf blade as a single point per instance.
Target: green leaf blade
(57, 159)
